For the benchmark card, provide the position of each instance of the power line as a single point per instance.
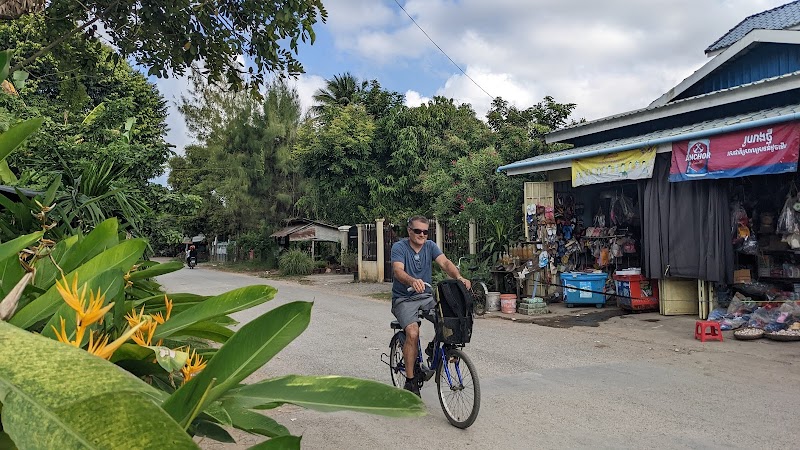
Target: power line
(443, 52)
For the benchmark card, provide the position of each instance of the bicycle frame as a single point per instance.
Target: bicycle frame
(438, 358)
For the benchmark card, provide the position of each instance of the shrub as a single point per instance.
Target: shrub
(321, 264)
(349, 260)
(295, 262)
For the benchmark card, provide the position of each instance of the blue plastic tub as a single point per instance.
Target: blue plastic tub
(595, 282)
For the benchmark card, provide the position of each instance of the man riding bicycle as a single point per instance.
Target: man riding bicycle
(412, 260)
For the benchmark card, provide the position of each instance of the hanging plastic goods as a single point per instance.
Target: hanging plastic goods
(788, 221)
(599, 219)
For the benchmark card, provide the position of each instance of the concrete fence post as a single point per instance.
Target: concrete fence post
(359, 251)
(379, 249)
(439, 235)
(473, 232)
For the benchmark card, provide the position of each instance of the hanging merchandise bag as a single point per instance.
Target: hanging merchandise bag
(600, 219)
(788, 222)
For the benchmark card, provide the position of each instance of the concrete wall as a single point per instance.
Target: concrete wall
(369, 272)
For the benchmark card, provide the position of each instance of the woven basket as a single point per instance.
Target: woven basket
(781, 337)
(739, 334)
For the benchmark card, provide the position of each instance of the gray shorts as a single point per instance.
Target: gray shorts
(406, 309)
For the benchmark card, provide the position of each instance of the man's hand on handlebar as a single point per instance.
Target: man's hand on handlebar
(418, 286)
(467, 283)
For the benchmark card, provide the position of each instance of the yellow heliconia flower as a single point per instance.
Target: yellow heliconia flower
(158, 318)
(194, 365)
(144, 335)
(168, 304)
(133, 319)
(104, 350)
(71, 296)
(62, 335)
(86, 314)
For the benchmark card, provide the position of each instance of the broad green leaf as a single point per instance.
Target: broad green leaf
(11, 272)
(110, 285)
(58, 396)
(52, 190)
(94, 114)
(330, 393)
(245, 352)
(156, 270)
(100, 239)
(132, 352)
(224, 304)
(208, 429)
(206, 330)
(254, 422)
(19, 77)
(6, 175)
(46, 270)
(120, 257)
(279, 443)
(12, 247)
(5, 63)
(17, 134)
(155, 303)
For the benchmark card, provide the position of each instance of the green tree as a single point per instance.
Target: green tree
(169, 37)
(335, 154)
(341, 90)
(243, 166)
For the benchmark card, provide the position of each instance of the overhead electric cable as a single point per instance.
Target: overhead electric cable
(443, 52)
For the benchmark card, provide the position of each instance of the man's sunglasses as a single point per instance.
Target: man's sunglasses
(418, 231)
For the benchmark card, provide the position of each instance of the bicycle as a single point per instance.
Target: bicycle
(457, 380)
(479, 290)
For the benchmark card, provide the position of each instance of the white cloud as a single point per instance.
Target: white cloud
(306, 86)
(461, 88)
(413, 99)
(608, 57)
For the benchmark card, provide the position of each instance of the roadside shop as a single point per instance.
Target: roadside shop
(687, 206)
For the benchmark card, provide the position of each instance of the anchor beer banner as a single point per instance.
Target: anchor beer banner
(627, 165)
(756, 151)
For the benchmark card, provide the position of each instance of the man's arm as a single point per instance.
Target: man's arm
(451, 269)
(400, 275)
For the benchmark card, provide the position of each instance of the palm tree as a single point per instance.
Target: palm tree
(341, 90)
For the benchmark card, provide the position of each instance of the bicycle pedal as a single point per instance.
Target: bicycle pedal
(427, 374)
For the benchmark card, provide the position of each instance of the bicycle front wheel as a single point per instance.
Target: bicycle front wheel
(459, 389)
(397, 366)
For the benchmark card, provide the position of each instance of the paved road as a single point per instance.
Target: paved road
(629, 383)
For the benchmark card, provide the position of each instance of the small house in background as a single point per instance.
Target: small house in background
(305, 230)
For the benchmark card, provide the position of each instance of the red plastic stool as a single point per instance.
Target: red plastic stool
(707, 330)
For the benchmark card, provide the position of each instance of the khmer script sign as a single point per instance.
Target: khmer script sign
(756, 151)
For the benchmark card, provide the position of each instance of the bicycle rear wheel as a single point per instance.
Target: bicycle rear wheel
(459, 389)
(479, 294)
(397, 366)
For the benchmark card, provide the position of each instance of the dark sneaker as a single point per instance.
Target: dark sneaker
(413, 386)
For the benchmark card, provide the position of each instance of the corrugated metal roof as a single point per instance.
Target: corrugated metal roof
(291, 230)
(677, 102)
(779, 18)
(701, 126)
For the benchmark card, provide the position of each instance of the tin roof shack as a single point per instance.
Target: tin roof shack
(737, 116)
(303, 230)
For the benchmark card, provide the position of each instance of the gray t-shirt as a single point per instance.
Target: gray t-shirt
(418, 265)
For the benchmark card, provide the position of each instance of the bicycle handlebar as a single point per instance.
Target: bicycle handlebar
(411, 288)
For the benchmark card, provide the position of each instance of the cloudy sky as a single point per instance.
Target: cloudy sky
(607, 56)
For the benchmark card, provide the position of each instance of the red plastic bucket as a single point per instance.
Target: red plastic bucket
(508, 303)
